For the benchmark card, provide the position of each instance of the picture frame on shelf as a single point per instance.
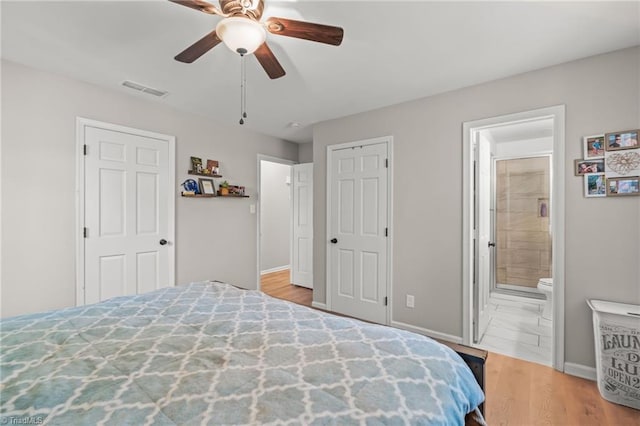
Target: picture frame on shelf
(595, 185)
(196, 164)
(616, 141)
(212, 166)
(593, 146)
(623, 186)
(207, 187)
(583, 167)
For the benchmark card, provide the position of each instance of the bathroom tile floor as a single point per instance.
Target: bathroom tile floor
(516, 328)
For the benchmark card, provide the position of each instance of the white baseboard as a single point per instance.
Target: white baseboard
(319, 305)
(427, 332)
(581, 371)
(276, 269)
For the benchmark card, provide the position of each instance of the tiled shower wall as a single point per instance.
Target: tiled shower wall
(522, 221)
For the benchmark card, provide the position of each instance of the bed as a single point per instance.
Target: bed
(210, 353)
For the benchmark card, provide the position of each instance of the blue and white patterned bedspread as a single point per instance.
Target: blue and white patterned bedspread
(209, 353)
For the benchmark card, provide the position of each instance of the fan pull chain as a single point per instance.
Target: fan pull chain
(243, 89)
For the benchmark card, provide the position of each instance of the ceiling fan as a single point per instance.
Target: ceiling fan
(243, 32)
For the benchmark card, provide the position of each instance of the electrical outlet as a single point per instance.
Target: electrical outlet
(411, 301)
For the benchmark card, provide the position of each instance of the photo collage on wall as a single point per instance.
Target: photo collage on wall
(611, 164)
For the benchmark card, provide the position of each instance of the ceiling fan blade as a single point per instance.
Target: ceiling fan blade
(199, 48)
(305, 30)
(269, 62)
(200, 5)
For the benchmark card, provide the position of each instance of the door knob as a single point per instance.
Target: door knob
(334, 240)
(492, 244)
(163, 242)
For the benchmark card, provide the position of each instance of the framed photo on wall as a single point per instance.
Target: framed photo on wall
(593, 146)
(583, 167)
(627, 139)
(623, 186)
(207, 187)
(595, 185)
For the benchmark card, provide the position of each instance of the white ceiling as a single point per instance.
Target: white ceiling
(392, 51)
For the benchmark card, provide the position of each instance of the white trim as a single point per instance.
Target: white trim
(389, 142)
(81, 124)
(319, 305)
(434, 334)
(557, 214)
(276, 269)
(262, 157)
(557, 201)
(581, 371)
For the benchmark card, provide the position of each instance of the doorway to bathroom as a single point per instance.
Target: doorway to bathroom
(513, 244)
(519, 211)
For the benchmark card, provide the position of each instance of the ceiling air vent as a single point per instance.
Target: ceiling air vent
(140, 88)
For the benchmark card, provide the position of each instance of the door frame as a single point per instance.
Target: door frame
(388, 140)
(262, 157)
(557, 201)
(81, 125)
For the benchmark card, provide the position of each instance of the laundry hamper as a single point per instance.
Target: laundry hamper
(616, 328)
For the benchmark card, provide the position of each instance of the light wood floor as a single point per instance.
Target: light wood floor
(518, 392)
(277, 284)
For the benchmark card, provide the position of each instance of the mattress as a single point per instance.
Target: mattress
(210, 353)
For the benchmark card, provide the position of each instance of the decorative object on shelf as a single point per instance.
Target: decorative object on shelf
(196, 164)
(593, 147)
(212, 166)
(207, 187)
(190, 185)
(623, 186)
(627, 139)
(582, 167)
(595, 185)
(224, 188)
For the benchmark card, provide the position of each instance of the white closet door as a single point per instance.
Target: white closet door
(126, 215)
(358, 224)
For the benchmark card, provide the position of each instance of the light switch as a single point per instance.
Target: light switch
(252, 208)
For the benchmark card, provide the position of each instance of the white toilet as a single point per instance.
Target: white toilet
(545, 285)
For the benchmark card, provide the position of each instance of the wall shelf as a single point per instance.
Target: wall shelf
(191, 172)
(233, 196)
(214, 176)
(198, 195)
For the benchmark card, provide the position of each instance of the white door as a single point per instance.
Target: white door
(302, 222)
(483, 232)
(358, 251)
(128, 217)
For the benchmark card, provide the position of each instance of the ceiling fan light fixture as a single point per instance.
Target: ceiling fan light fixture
(241, 35)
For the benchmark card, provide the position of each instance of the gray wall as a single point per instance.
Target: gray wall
(602, 234)
(215, 238)
(305, 153)
(275, 215)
